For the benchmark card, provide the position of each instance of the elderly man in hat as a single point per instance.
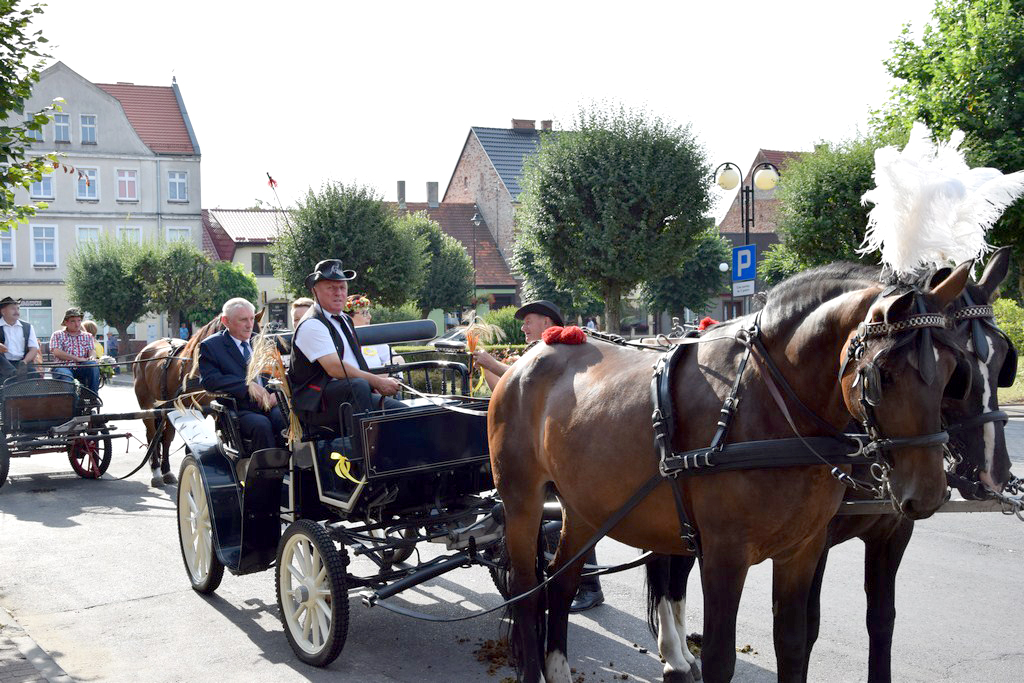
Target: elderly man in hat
(327, 367)
(538, 316)
(18, 342)
(75, 351)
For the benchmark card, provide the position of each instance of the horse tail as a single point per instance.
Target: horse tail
(656, 587)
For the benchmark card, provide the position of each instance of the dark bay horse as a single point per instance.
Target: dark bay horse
(579, 418)
(976, 440)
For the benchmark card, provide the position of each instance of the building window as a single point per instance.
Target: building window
(41, 318)
(36, 135)
(130, 233)
(179, 234)
(88, 233)
(44, 245)
(88, 184)
(42, 189)
(7, 247)
(177, 186)
(261, 264)
(127, 185)
(88, 129)
(62, 128)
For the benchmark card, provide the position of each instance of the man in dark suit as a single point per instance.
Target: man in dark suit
(223, 359)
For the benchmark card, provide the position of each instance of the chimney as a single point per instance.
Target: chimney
(432, 195)
(527, 124)
(401, 195)
(545, 125)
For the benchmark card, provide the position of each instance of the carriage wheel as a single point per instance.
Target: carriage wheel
(195, 530)
(90, 458)
(546, 544)
(396, 555)
(312, 592)
(5, 459)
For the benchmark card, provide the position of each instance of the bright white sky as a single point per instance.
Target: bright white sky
(383, 91)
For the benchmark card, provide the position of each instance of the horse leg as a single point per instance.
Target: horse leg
(723, 571)
(560, 593)
(792, 576)
(814, 610)
(160, 459)
(882, 557)
(165, 461)
(522, 527)
(666, 611)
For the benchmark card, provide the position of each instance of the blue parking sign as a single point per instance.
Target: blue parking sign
(744, 262)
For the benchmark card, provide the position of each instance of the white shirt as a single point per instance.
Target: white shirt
(15, 339)
(377, 356)
(315, 342)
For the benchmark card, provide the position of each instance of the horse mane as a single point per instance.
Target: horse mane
(191, 350)
(795, 297)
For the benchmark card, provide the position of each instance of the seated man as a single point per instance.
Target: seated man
(223, 360)
(19, 346)
(75, 351)
(327, 368)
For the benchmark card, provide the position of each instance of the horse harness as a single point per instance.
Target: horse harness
(835, 449)
(177, 346)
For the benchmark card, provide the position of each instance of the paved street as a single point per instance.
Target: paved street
(92, 572)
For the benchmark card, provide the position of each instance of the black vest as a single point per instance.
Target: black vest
(26, 329)
(307, 377)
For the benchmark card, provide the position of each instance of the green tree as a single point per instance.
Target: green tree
(448, 281)
(107, 279)
(967, 72)
(573, 298)
(695, 281)
(608, 200)
(179, 278)
(21, 58)
(820, 216)
(231, 280)
(352, 223)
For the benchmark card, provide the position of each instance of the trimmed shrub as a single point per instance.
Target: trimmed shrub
(505, 318)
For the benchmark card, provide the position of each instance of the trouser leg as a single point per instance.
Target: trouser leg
(256, 428)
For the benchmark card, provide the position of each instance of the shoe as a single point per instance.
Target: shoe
(586, 599)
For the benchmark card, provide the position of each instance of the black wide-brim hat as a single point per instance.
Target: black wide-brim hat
(7, 301)
(541, 308)
(329, 269)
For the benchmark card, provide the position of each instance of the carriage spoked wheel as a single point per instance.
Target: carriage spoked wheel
(90, 458)
(312, 592)
(396, 555)
(195, 530)
(547, 544)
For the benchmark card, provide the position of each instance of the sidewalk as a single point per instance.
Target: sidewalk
(21, 660)
(1015, 410)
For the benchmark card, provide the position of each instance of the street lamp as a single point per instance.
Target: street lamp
(766, 177)
(477, 219)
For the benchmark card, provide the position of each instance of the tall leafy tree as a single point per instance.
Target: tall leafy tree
(352, 223)
(967, 72)
(107, 279)
(231, 280)
(608, 200)
(179, 278)
(820, 216)
(573, 298)
(21, 58)
(448, 280)
(695, 281)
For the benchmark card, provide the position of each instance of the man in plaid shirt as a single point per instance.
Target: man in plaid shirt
(75, 351)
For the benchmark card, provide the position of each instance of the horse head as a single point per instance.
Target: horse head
(893, 363)
(975, 425)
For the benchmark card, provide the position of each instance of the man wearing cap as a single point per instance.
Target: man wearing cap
(18, 342)
(538, 316)
(75, 351)
(327, 367)
(223, 365)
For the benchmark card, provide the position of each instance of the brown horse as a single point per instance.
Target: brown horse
(579, 418)
(162, 370)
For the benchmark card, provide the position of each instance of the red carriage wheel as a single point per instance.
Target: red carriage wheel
(90, 457)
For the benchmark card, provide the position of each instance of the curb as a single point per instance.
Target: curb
(11, 631)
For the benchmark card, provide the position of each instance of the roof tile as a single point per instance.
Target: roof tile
(507, 148)
(155, 115)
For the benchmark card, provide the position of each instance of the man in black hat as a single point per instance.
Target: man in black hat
(327, 367)
(18, 342)
(538, 316)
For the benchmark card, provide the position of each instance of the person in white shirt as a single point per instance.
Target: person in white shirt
(327, 368)
(16, 347)
(376, 355)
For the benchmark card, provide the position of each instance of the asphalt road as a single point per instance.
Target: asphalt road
(93, 572)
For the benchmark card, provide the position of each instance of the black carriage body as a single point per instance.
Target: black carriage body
(31, 406)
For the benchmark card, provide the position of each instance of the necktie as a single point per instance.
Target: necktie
(246, 353)
(352, 343)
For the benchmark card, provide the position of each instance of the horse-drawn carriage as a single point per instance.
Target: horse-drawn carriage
(387, 482)
(35, 410)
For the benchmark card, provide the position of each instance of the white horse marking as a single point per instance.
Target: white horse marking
(672, 639)
(679, 611)
(556, 668)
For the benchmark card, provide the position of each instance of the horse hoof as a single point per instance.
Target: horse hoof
(679, 676)
(157, 482)
(169, 478)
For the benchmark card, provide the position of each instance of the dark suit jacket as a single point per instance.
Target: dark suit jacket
(221, 369)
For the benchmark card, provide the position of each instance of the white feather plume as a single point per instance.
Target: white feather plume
(930, 207)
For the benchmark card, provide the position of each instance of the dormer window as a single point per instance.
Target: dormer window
(88, 129)
(62, 128)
